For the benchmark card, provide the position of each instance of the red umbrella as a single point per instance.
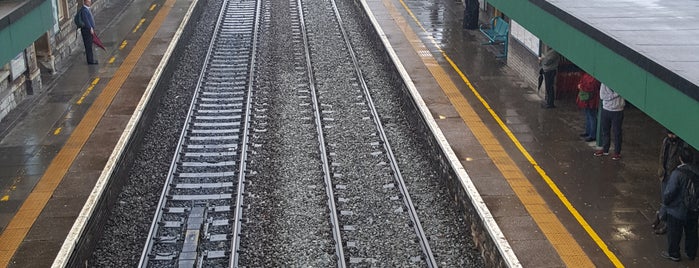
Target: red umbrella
(97, 41)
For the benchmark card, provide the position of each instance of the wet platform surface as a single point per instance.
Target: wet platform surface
(43, 129)
(616, 198)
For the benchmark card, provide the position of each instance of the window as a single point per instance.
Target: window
(62, 9)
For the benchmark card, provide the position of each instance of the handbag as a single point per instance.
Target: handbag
(583, 95)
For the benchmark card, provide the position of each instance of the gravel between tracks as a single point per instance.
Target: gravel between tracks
(439, 214)
(290, 232)
(285, 226)
(128, 225)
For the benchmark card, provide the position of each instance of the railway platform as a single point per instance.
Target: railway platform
(555, 202)
(55, 145)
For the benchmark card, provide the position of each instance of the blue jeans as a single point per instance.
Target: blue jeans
(590, 122)
(611, 121)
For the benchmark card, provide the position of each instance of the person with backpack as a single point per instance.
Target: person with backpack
(668, 161)
(681, 201)
(86, 22)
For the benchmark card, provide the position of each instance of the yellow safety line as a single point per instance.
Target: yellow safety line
(15, 180)
(89, 89)
(19, 226)
(567, 247)
(138, 26)
(123, 44)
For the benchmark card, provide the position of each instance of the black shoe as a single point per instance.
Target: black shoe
(664, 254)
(583, 135)
(92, 63)
(589, 139)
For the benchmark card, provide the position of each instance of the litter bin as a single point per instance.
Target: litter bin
(471, 14)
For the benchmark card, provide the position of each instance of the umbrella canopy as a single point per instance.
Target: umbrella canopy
(96, 40)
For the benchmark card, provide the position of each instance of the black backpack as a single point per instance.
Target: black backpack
(78, 19)
(690, 190)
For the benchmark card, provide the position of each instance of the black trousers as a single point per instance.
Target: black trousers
(549, 78)
(675, 227)
(610, 122)
(691, 239)
(87, 41)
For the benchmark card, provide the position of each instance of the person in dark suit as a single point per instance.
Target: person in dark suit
(87, 30)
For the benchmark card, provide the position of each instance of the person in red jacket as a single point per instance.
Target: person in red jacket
(588, 100)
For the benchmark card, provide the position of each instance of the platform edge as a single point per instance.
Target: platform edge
(80, 224)
(485, 215)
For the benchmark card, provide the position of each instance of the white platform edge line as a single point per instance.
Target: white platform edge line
(81, 221)
(490, 224)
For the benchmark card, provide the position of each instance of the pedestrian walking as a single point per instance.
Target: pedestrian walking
(610, 121)
(87, 30)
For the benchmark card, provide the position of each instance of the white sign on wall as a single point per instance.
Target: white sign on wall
(527, 39)
(18, 65)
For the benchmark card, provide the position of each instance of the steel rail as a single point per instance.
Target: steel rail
(334, 221)
(209, 139)
(424, 243)
(235, 240)
(173, 165)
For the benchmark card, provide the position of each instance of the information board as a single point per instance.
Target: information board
(18, 65)
(526, 38)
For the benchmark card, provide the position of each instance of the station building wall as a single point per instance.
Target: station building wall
(38, 41)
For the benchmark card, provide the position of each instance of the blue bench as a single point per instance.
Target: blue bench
(497, 32)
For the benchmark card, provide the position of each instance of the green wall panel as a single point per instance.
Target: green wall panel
(622, 76)
(5, 45)
(673, 110)
(22, 33)
(662, 102)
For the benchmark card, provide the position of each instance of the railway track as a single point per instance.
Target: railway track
(283, 159)
(380, 161)
(370, 216)
(198, 217)
(369, 213)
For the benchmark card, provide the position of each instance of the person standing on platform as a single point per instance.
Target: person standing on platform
(471, 14)
(87, 30)
(549, 66)
(588, 100)
(611, 119)
(680, 217)
(669, 160)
